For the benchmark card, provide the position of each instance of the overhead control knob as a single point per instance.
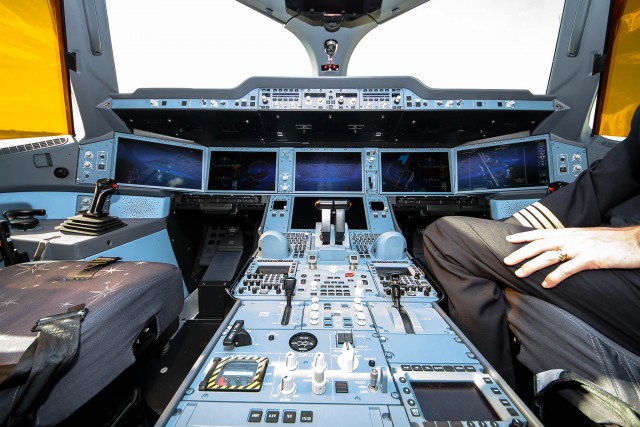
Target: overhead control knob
(290, 361)
(397, 99)
(318, 383)
(264, 99)
(347, 360)
(287, 386)
(341, 100)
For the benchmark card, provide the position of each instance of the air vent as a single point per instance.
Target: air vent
(39, 145)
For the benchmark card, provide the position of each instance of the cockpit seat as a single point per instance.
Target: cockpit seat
(126, 302)
(553, 339)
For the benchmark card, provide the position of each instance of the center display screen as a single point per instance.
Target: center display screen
(409, 172)
(156, 164)
(328, 172)
(242, 171)
(503, 166)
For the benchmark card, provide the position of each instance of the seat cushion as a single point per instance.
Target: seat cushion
(122, 299)
(552, 338)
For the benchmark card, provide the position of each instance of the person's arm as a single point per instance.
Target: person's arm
(575, 250)
(587, 201)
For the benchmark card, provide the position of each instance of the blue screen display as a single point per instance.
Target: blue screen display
(503, 166)
(328, 172)
(242, 171)
(158, 165)
(409, 172)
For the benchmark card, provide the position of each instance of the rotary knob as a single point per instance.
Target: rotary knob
(290, 361)
(318, 383)
(287, 386)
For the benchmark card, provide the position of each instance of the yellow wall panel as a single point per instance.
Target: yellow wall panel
(620, 91)
(34, 94)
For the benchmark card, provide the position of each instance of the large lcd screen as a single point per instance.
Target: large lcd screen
(242, 171)
(412, 172)
(328, 171)
(452, 401)
(497, 167)
(157, 164)
(305, 215)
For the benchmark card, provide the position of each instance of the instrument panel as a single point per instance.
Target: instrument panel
(512, 164)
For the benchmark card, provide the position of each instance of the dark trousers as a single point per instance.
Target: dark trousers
(466, 257)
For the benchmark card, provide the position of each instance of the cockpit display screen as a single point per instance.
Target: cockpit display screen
(328, 171)
(243, 171)
(410, 172)
(442, 401)
(156, 164)
(496, 167)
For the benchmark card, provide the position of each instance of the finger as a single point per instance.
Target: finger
(529, 236)
(543, 260)
(525, 236)
(532, 249)
(564, 270)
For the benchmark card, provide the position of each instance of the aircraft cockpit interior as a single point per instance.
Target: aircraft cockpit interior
(206, 232)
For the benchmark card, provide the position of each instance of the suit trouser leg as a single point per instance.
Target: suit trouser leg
(466, 257)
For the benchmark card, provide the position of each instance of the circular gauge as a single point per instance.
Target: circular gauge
(303, 342)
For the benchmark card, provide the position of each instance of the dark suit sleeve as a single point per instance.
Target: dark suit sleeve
(586, 201)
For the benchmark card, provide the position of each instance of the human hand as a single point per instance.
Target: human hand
(575, 249)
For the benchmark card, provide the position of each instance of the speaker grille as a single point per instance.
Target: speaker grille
(505, 208)
(138, 207)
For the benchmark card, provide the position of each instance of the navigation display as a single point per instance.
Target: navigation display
(242, 171)
(158, 164)
(524, 164)
(410, 172)
(328, 172)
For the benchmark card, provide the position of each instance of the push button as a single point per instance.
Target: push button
(272, 416)
(342, 387)
(306, 416)
(255, 416)
(289, 417)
